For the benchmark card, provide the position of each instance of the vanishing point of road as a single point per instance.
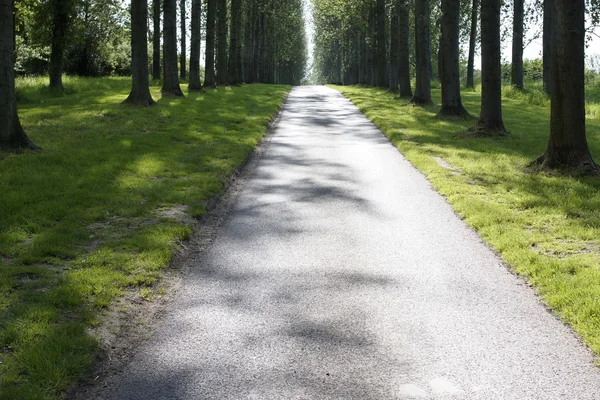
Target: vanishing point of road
(341, 274)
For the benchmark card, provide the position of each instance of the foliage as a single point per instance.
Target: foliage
(100, 210)
(98, 41)
(546, 226)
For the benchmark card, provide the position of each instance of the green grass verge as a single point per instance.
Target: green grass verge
(546, 227)
(101, 209)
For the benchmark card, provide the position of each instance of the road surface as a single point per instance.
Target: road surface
(341, 274)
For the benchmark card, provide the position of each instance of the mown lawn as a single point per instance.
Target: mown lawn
(102, 208)
(545, 226)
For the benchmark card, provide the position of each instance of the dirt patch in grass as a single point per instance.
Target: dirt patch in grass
(446, 165)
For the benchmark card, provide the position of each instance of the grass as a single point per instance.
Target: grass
(547, 227)
(101, 209)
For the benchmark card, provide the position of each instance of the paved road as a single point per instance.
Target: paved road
(340, 274)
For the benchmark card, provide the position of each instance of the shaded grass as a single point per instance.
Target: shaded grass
(101, 209)
(547, 227)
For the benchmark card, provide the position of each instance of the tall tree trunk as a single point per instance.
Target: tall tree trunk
(404, 51)
(356, 59)
(222, 26)
(61, 17)
(196, 37)
(261, 48)
(249, 41)
(567, 146)
(439, 54)
(422, 94)
(156, 39)
(12, 135)
(235, 44)
(382, 80)
(472, 44)
(183, 33)
(547, 39)
(140, 90)
(394, 48)
(450, 74)
(170, 84)
(371, 55)
(490, 119)
(517, 45)
(209, 65)
(363, 73)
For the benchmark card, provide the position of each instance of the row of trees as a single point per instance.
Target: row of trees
(369, 41)
(245, 41)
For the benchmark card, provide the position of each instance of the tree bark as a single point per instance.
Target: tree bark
(472, 44)
(404, 51)
(381, 46)
(422, 94)
(394, 48)
(261, 47)
(61, 16)
(450, 76)
(222, 78)
(372, 55)
(547, 39)
(567, 146)
(235, 44)
(490, 119)
(170, 79)
(209, 65)
(156, 39)
(250, 41)
(12, 135)
(517, 45)
(194, 83)
(183, 33)
(364, 62)
(140, 90)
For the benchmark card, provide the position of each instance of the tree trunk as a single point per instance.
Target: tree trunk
(381, 45)
(567, 146)
(183, 33)
(422, 94)
(450, 74)
(170, 79)
(371, 55)
(394, 48)
(140, 90)
(235, 44)
(261, 48)
(222, 78)
(547, 39)
(196, 37)
(12, 135)
(364, 62)
(61, 16)
(156, 40)
(404, 51)
(209, 65)
(517, 45)
(249, 41)
(472, 44)
(490, 119)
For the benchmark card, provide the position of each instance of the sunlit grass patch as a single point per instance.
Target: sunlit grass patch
(547, 227)
(102, 208)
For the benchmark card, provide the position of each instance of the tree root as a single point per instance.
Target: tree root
(573, 164)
